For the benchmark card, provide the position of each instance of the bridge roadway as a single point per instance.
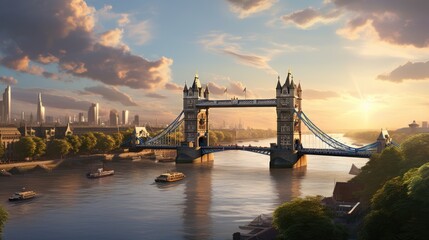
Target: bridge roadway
(236, 103)
(263, 150)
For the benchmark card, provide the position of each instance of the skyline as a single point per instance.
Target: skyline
(366, 63)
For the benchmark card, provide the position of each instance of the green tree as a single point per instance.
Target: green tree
(88, 141)
(75, 143)
(40, 147)
(119, 138)
(105, 143)
(58, 148)
(306, 218)
(416, 150)
(3, 219)
(379, 169)
(400, 208)
(25, 147)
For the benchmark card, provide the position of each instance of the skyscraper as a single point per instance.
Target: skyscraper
(136, 120)
(5, 106)
(40, 110)
(114, 118)
(81, 117)
(124, 117)
(93, 114)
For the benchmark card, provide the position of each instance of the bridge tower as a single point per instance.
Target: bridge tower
(196, 123)
(284, 154)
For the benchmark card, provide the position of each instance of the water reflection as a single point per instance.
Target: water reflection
(287, 183)
(196, 212)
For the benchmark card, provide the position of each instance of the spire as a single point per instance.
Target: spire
(287, 83)
(207, 88)
(292, 84)
(185, 89)
(196, 85)
(299, 87)
(278, 83)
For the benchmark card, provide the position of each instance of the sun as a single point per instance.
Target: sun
(366, 105)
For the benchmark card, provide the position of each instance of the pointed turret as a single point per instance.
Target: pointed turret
(287, 83)
(299, 87)
(292, 84)
(206, 92)
(185, 89)
(279, 86)
(196, 85)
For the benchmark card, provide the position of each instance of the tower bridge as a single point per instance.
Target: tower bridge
(287, 152)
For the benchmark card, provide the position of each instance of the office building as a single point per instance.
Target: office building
(93, 114)
(114, 118)
(5, 106)
(40, 110)
(125, 117)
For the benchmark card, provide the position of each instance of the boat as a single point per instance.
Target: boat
(170, 177)
(23, 195)
(3, 172)
(101, 172)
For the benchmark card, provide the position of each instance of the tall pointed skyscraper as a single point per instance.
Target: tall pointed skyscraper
(5, 106)
(40, 110)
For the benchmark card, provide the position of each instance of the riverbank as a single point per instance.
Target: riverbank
(48, 165)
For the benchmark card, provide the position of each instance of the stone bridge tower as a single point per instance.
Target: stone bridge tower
(196, 120)
(289, 96)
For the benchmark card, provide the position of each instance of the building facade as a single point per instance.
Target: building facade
(93, 114)
(125, 114)
(40, 110)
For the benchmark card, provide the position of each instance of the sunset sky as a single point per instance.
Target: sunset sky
(362, 64)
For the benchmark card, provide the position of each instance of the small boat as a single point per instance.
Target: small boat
(23, 195)
(101, 172)
(3, 172)
(170, 177)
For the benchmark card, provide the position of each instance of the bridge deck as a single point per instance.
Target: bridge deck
(236, 103)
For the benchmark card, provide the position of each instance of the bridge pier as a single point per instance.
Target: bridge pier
(285, 158)
(187, 154)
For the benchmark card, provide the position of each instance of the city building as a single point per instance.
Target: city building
(424, 124)
(136, 120)
(81, 118)
(125, 117)
(40, 110)
(5, 106)
(48, 119)
(93, 114)
(114, 118)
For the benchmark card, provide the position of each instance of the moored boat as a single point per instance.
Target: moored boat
(170, 177)
(3, 172)
(101, 172)
(23, 195)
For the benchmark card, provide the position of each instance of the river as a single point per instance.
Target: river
(210, 203)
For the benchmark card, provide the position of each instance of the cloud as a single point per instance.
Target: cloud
(155, 95)
(227, 44)
(112, 38)
(8, 80)
(234, 88)
(112, 94)
(50, 99)
(245, 8)
(394, 21)
(63, 32)
(408, 71)
(216, 89)
(308, 17)
(173, 86)
(312, 94)
(139, 33)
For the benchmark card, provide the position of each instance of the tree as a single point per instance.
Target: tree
(58, 147)
(88, 141)
(119, 138)
(3, 218)
(400, 208)
(75, 143)
(25, 147)
(105, 143)
(306, 218)
(40, 147)
(416, 150)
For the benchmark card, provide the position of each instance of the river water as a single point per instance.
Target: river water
(210, 203)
